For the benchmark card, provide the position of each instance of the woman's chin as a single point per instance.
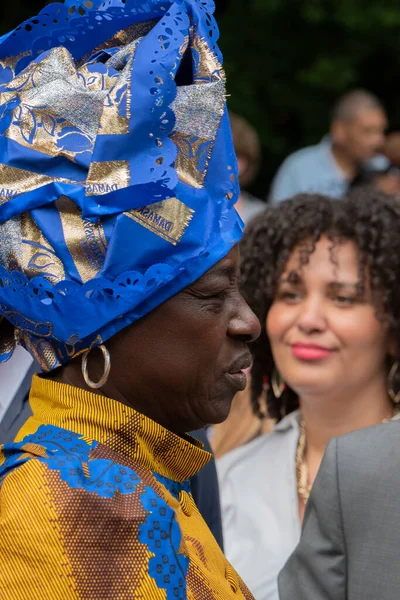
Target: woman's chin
(311, 387)
(219, 410)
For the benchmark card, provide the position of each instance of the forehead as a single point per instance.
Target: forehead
(226, 267)
(370, 117)
(330, 261)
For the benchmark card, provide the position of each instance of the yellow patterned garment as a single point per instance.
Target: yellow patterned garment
(95, 503)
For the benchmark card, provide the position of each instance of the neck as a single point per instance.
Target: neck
(339, 414)
(349, 167)
(158, 411)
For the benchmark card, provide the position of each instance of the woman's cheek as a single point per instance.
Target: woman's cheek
(278, 321)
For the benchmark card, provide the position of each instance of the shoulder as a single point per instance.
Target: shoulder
(379, 438)
(262, 454)
(26, 505)
(24, 480)
(65, 463)
(301, 158)
(361, 464)
(362, 449)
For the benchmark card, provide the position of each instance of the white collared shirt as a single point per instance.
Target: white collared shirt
(260, 516)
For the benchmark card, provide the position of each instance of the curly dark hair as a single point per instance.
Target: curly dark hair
(368, 218)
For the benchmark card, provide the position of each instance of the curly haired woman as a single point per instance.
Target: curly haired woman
(322, 276)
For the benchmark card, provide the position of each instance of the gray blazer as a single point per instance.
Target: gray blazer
(349, 548)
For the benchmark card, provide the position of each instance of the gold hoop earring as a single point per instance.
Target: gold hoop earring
(107, 368)
(393, 396)
(277, 384)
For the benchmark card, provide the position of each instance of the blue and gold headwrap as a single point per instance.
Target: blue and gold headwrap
(117, 170)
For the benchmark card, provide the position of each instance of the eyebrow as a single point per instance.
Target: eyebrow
(340, 285)
(223, 270)
(296, 279)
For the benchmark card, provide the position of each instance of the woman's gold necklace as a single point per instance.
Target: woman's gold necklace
(303, 486)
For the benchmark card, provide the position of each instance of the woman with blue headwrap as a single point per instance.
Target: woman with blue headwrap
(119, 274)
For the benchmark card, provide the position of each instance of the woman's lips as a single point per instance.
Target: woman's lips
(237, 380)
(310, 352)
(239, 371)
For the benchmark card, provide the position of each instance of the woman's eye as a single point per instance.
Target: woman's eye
(345, 300)
(219, 295)
(289, 295)
(214, 302)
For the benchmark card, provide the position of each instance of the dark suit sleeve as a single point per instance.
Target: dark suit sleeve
(205, 491)
(317, 568)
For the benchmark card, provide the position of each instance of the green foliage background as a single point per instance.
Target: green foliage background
(288, 61)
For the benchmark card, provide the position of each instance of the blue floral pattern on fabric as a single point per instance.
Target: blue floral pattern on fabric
(174, 487)
(162, 535)
(67, 453)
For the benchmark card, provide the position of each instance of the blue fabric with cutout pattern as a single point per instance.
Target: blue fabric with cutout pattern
(117, 170)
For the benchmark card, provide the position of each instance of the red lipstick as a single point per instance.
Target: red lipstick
(310, 352)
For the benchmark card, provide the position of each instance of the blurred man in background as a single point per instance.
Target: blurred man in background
(357, 135)
(248, 153)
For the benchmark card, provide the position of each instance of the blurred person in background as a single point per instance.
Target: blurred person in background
(323, 276)
(16, 374)
(248, 153)
(15, 382)
(355, 140)
(391, 148)
(387, 182)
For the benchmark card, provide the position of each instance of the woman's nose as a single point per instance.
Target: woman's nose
(244, 325)
(311, 316)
